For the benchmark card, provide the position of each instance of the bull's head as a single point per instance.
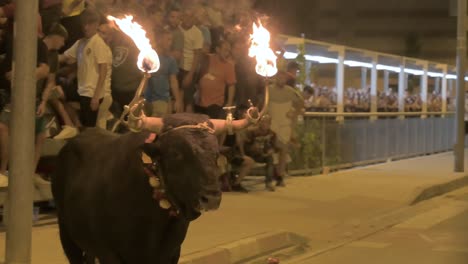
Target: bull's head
(187, 150)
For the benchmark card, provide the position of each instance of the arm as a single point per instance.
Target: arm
(102, 68)
(46, 93)
(66, 59)
(179, 106)
(42, 71)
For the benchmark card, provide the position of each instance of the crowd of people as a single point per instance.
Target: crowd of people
(87, 72)
(324, 99)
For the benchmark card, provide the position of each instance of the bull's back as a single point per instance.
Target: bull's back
(90, 178)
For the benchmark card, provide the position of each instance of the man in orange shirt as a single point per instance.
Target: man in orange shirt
(218, 74)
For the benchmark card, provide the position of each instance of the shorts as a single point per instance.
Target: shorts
(40, 122)
(158, 108)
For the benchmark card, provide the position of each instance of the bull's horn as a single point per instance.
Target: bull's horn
(154, 124)
(252, 117)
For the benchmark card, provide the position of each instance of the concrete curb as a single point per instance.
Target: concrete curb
(434, 190)
(244, 249)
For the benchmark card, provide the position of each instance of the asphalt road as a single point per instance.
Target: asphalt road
(436, 236)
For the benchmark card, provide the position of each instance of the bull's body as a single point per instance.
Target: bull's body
(105, 204)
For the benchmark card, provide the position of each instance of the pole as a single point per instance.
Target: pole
(459, 149)
(20, 189)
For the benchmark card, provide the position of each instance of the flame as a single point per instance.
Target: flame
(260, 49)
(148, 59)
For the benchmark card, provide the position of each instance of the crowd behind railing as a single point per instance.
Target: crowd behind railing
(324, 99)
(87, 73)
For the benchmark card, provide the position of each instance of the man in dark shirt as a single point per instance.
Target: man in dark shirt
(260, 144)
(6, 75)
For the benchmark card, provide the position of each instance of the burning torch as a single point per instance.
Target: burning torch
(266, 63)
(148, 62)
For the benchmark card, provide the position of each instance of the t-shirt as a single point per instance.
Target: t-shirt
(125, 73)
(213, 84)
(7, 64)
(89, 53)
(193, 40)
(158, 88)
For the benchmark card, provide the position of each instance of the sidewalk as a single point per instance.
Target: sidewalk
(319, 208)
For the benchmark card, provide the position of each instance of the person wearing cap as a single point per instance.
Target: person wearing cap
(55, 39)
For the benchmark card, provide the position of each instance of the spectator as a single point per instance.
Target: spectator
(71, 10)
(260, 145)
(54, 41)
(126, 76)
(94, 60)
(308, 98)
(51, 12)
(203, 24)
(6, 75)
(193, 45)
(292, 69)
(173, 23)
(283, 109)
(217, 74)
(164, 82)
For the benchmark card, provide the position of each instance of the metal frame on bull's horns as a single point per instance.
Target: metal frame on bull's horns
(135, 105)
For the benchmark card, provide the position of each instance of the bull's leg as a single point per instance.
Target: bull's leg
(172, 241)
(72, 251)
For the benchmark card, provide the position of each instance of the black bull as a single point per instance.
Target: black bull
(105, 204)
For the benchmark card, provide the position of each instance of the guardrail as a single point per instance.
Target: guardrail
(326, 144)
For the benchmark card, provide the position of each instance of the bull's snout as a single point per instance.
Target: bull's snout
(210, 201)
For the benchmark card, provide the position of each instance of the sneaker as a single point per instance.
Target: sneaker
(67, 132)
(3, 180)
(269, 187)
(239, 188)
(280, 183)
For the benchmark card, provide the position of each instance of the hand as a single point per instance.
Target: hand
(187, 81)
(179, 106)
(41, 109)
(94, 104)
(58, 89)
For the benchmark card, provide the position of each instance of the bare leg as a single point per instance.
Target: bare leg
(245, 168)
(3, 148)
(60, 108)
(103, 112)
(40, 139)
(73, 115)
(282, 160)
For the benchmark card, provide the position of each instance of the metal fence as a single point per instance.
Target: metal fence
(324, 142)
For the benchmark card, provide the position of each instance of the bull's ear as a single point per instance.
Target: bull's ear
(151, 149)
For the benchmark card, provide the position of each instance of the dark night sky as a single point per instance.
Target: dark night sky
(288, 17)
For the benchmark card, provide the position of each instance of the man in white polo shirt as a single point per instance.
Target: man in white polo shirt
(193, 44)
(94, 59)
